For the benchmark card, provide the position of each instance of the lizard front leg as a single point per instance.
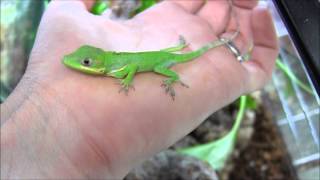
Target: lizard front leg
(163, 69)
(126, 74)
(126, 83)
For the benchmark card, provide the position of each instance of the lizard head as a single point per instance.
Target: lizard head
(86, 59)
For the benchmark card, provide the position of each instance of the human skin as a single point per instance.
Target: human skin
(59, 123)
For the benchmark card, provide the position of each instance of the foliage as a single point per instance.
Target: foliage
(285, 69)
(145, 4)
(250, 104)
(99, 7)
(217, 152)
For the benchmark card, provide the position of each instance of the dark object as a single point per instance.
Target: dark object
(302, 18)
(4, 92)
(170, 165)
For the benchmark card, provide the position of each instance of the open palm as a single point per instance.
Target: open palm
(103, 132)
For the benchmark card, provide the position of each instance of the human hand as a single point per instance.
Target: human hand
(74, 125)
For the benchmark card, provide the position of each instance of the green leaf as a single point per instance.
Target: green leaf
(145, 4)
(251, 103)
(217, 152)
(291, 76)
(99, 7)
(46, 2)
(4, 91)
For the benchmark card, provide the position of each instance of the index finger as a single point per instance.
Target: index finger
(216, 12)
(191, 6)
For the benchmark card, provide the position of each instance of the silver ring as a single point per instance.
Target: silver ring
(233, 48)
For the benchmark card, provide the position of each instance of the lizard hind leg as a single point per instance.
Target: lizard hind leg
(173, 78)
(182, 44)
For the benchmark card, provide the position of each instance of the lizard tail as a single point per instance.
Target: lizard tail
(222, 41)
(194, 54)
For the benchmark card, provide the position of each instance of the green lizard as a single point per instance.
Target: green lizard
(124, 65)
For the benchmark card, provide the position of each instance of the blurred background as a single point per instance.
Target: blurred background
(279, 133)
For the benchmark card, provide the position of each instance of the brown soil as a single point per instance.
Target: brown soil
(265, 157)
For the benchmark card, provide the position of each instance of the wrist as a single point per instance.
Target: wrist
(43, 139)
(30, 136)
(17, 159)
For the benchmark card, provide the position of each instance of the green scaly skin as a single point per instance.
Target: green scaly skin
(124, 65)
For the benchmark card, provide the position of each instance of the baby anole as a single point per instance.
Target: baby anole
(124, 65)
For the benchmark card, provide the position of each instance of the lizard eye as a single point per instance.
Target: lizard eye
(86, 62)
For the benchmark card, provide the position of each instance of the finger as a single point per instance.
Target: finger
(265, 49)
(163, 12)
(242, 10)
(245, 4)
(78, 4)
(241, 19)
(217, 12)
(88, 3)
(191, 6)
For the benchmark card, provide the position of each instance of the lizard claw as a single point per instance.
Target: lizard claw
(126, 90)
(167, 85)
(126, 87)
(183, 84)
(182, 40)
(168, 89)
(118, 82)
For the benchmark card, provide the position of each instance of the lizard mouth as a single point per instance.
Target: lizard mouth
(89, 70)
(92, 71)
(78, 67)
